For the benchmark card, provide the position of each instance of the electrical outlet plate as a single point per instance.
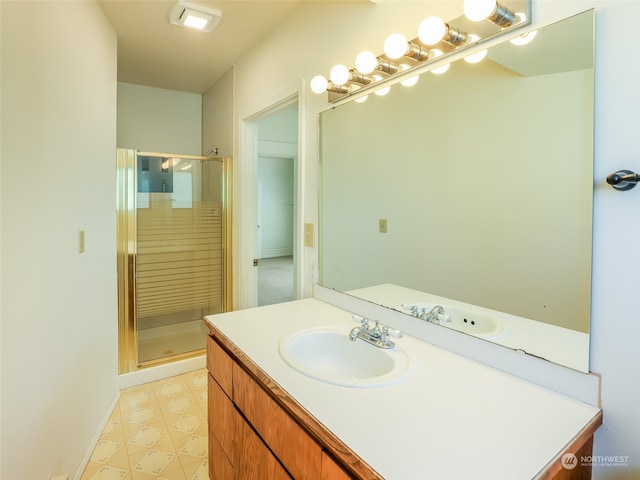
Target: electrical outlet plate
(80, 241)
(382, 225)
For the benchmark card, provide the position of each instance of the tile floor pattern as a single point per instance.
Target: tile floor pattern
(158, 431)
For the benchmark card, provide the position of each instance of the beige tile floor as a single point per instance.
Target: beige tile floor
(158, 431)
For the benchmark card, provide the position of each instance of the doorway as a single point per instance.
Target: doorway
(276, 222)
(276, 205)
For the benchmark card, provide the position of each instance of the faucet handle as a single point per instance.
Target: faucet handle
(362, 320)
(392, 332)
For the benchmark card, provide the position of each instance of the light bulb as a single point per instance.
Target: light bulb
(361, 99)
(478, 56)
(381, 91)
(442, 69)
(318, 84)
(366, 62)
(525, 37)
(339, 74)
(411, 81)
(478, 10)
(432, 30)
(395, 46)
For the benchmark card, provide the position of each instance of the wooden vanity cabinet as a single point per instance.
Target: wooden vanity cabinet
(251, 436)
(256, 432)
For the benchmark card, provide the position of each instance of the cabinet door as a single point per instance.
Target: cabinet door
(256, 462)
(297, 451)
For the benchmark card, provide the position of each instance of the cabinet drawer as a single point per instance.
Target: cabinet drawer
(224, 422)
(297, 451)
(256, 460)
(220, 365)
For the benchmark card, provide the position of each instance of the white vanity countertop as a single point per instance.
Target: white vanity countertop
(520, 333)
(453, 418)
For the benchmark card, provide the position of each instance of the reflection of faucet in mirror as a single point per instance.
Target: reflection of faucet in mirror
(435, 315)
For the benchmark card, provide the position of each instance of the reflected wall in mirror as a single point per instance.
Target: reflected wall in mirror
(484, 179)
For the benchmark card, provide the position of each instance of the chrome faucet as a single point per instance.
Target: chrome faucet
(435, 315)
(378, 335)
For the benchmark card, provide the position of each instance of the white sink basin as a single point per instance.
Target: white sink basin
(480, 325)
(327, 354)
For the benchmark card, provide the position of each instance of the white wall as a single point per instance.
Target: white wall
(59, 310)
(320, 34)
(217, 117)
(159, 120)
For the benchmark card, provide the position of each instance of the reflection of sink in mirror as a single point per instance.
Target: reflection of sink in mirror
(327, 354)
(465, 321)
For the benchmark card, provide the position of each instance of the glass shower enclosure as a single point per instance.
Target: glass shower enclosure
(173, 255)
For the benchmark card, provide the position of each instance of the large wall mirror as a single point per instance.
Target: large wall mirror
(472, 189)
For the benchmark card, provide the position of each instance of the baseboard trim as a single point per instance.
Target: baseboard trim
(96, 437)
(152, 374)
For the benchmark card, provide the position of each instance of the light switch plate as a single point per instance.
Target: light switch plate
(308, 235)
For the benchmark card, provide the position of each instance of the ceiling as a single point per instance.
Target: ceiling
(153, 52)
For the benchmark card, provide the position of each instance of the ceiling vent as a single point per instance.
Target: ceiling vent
(195, 16)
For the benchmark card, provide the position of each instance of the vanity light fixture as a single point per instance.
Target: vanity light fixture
(411, 81)
(319, 84)
(192, 15)
(382, 91)
(476, 57)
(436, 38)
(339, 74)
(439, 70)
(396, 46)
(433, 30)
(525, 38)
(478, 10)
(367, 62)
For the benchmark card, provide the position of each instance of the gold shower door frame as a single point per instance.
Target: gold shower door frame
(127, 255)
